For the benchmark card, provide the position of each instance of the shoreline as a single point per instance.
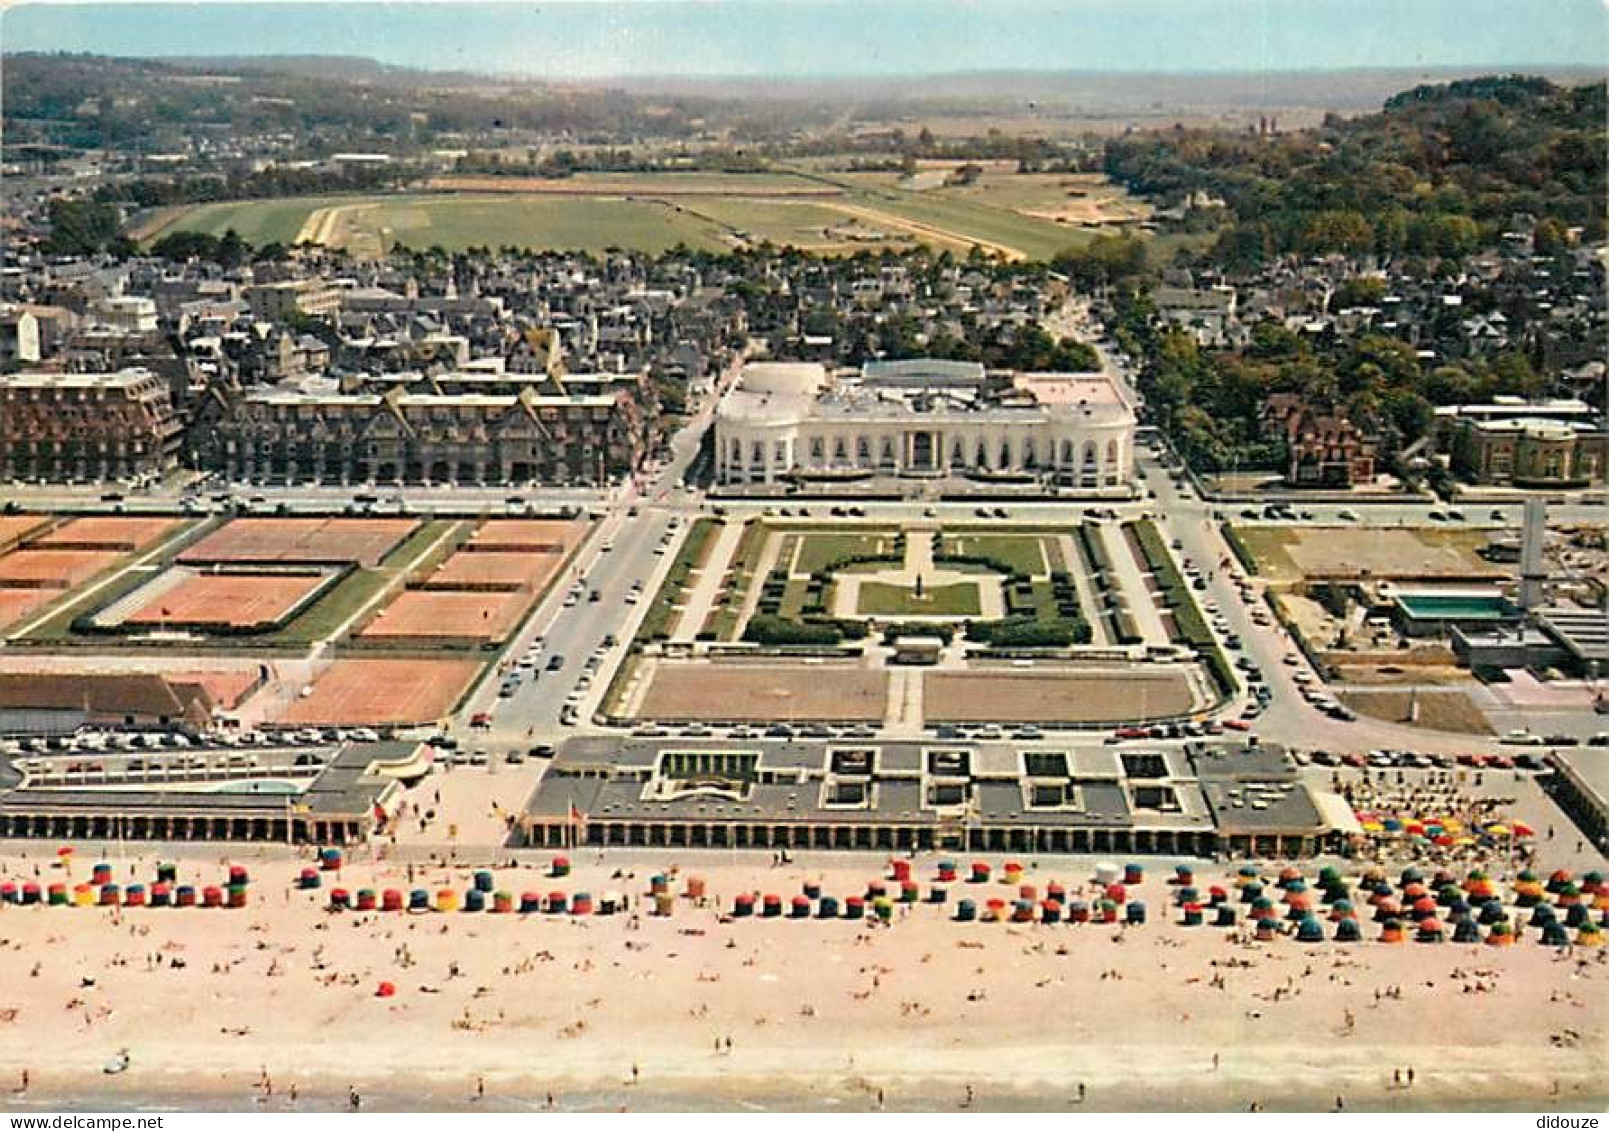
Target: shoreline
(1116, 1085)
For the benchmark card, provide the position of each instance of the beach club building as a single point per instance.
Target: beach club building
(904, 796)
(924, 419)
(290, 795)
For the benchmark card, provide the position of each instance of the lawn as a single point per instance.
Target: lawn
(800, 223)
(972, 220)
(1269, 550)
(576, 223)
(690, 183)
(1284, 553)
(257, 221)
(819, 550)
(1024, 553)
(567, 223)
(653, 212)
(878, 599)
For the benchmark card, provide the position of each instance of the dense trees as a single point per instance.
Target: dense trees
(84, 227)
(227, 250)
(1105, 260)
(154, 192)
(1210, 401)
(1437, 174)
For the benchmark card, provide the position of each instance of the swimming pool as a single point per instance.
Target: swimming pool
(1455, 606)
(259, 785)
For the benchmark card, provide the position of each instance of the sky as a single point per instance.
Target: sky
(561, 39)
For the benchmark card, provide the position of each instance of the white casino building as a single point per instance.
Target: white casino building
(924, 419)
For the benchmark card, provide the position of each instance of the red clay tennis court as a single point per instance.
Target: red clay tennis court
(526, 535)
(15, 527)
(304, 540)
(52, 569)
(228, 600)
(100, 532)
(447, 614)
(494, 571)
(382, 693)
(18, 603)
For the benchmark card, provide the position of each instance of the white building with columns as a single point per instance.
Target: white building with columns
(924, 419)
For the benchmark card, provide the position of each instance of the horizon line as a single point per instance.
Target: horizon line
(1511, 66)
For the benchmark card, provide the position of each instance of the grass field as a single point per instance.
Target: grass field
(1290, 553)
(257, 221)
(828, 213)
(1023, 553)
(819, 550)
(566, 223)
(878, 599)
(806, 224)
(690, 183)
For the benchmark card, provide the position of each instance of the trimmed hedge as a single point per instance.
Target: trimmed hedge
(1023, 632)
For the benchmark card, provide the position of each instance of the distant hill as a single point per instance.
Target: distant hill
(1441, 170)
(1342, 91)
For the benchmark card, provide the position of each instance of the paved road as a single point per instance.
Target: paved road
(575, 632)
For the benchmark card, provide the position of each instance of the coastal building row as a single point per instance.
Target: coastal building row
(87, 426)
(460, 428)
(475, 427)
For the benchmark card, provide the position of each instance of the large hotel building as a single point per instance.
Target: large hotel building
(468, 427)
(66, 427)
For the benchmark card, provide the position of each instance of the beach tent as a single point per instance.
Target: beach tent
(1310, 930)
(1348, 931)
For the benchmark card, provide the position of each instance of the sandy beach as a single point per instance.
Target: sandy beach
(235, 1008)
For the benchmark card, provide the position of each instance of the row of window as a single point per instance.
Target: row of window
(924, 453)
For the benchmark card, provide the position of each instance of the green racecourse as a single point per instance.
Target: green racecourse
(646, 212)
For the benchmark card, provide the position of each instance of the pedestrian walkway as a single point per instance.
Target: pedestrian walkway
(701, 599)
(1074, 559)
(1131, 583)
